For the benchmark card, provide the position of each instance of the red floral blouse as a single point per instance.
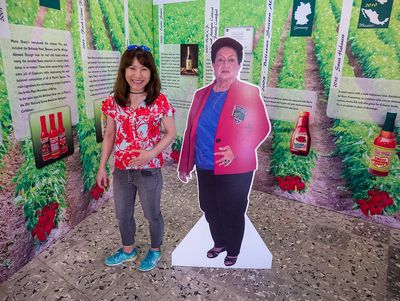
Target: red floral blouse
(137, 129)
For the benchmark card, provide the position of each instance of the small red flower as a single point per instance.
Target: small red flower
(96, 191)
(41, 235)
(290, 183)
(35, 230)
(375, 210)
(283, 185)
(376, 203)
(47, 229)
(388, 202)
(41, 222)
(46, 209)
(301, 186)
(297, 179)
(46, 221)
(364, 209)
(373, 192)
(175, 155)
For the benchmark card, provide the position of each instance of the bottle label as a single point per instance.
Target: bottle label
(300, 142)
(381, 158)
(54, 146)
(103, 124)
(45, 148)
(188, 64)
(62, 142)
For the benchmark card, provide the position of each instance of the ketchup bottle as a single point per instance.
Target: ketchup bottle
(301, 140)
(53, 136)
(62, 141)
(44, 139)
(383, 148)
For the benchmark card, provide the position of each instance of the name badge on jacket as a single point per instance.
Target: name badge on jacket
(238, 114)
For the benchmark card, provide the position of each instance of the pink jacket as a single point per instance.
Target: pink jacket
(243, 125)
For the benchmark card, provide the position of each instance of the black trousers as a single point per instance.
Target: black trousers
(224, 198)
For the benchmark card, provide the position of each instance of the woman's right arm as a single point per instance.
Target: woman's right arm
(183, 173)
(106, 149)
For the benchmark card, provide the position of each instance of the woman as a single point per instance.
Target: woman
(135, 112)
(226, 123)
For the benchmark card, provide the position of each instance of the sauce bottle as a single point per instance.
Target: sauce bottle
(62, 141)
(383, 148)
(53, 136)
(103, 122)
(301, 140)
(189, 62)
(44, 139)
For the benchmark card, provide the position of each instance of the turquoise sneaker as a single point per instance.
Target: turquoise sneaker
(150, 261)
(120, 256)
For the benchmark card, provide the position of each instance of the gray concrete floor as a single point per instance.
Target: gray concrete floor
(318, 255)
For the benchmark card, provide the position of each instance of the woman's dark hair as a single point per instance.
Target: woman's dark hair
(226, 42)
(121, 87)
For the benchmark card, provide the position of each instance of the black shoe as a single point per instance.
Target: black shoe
(230, 260)
(214, 252)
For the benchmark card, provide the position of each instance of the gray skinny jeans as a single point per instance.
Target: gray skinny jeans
(148, 182)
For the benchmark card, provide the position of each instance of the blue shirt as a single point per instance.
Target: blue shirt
(207, 130)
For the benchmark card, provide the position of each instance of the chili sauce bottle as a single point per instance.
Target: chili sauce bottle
(301, 140)
(44, 139)
(53, 136)
(383, 148)
(62, 141)
(103, 122)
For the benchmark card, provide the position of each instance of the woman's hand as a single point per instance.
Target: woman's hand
(227, 156)
(184, 177)
(143, 158)
(102, 179)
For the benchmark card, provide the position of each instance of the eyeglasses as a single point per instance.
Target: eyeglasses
(134, 47)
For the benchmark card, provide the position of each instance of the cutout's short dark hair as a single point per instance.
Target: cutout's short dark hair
(227, 42)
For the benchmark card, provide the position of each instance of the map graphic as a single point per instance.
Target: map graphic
(373, 16)
(302, 11)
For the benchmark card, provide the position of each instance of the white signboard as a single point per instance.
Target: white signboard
(287, 104)
(100, 72)
(245, 36)
(211, 26)
(39, 73)
(4, 30)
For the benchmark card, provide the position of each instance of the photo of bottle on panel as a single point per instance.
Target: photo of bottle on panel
(51, 133)
(189, 59)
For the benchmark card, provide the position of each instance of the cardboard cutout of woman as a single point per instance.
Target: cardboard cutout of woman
(226, 123)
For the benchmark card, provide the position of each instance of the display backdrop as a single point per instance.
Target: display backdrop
(71, 55)
(332, 72)
(296, 50)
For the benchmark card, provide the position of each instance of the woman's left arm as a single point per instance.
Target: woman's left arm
(169, 135)
(254, 129)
